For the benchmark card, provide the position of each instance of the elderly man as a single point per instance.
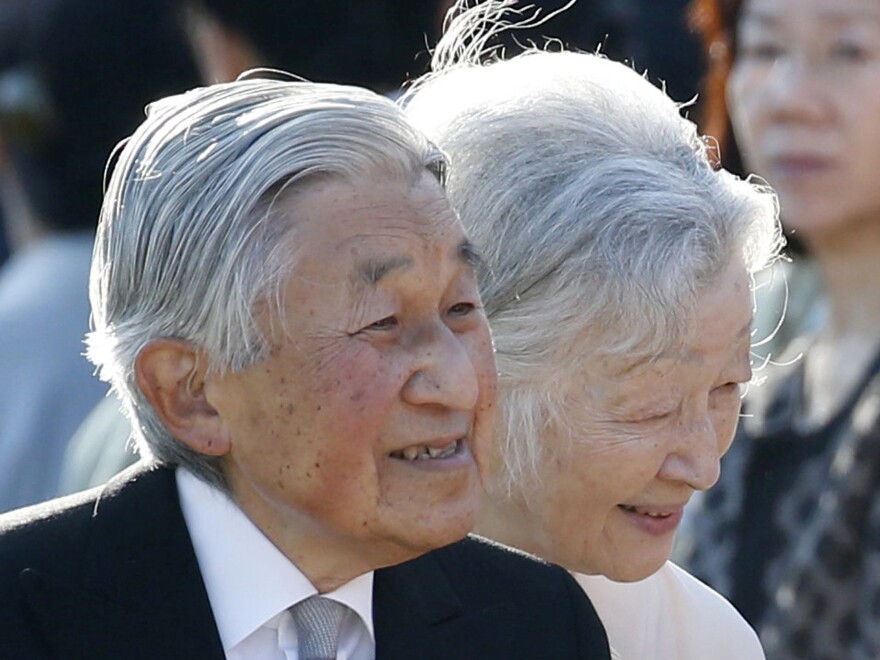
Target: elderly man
(287, 305)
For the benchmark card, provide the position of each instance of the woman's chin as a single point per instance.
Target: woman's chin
(630, 568)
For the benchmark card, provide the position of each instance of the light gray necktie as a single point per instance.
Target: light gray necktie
(317, 622)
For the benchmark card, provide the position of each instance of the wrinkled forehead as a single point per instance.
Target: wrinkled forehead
(717, 329)
(359, 204)
(372, 224)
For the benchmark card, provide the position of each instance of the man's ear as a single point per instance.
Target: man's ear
(171, 374)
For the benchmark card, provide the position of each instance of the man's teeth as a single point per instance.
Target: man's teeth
(422, 453)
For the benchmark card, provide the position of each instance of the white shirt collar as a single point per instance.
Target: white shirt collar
(264, 582)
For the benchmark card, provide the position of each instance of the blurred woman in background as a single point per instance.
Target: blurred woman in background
(792, 531)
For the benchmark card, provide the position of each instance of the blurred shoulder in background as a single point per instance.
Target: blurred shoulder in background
(75, 77)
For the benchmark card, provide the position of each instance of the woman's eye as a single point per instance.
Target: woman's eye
(654, 417)
(849, 52)
(761, 51)
(728, 389)
(660, 416)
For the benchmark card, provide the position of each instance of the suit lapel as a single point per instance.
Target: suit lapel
(417, 614)
(139, 590)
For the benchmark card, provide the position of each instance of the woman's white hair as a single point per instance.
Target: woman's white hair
(188, 244)
(596, 207)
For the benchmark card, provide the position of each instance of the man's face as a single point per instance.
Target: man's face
(359, 435)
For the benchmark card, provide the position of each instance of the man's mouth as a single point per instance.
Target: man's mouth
(427, 452)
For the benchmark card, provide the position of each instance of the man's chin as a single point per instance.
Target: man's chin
(422, 536)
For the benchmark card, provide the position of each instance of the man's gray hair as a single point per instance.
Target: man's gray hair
(188, 244)
(595, 204)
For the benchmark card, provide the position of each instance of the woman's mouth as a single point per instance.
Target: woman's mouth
(654, 520)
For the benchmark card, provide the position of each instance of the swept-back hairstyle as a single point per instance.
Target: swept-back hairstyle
(188, 243)
(595, 205)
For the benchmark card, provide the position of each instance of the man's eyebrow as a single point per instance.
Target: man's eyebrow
(369, 272)
(469, 253)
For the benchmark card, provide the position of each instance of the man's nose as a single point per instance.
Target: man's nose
(443, 372)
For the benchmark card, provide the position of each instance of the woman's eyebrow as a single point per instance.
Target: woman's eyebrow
(369, 272)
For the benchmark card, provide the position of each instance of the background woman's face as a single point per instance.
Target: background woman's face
(804, 96)
(636, 444)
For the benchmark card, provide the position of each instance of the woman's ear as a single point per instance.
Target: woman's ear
(171, 374)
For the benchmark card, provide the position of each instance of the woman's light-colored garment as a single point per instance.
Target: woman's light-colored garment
(670, 614)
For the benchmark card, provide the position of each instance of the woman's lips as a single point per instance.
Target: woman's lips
(656, 521)
(799, 167)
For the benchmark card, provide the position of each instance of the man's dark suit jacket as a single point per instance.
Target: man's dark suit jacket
(111, 573)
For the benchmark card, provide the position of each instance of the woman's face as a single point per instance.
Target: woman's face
(641, 442)
(804, 97)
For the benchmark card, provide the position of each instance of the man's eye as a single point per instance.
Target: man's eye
(462, 309)
(387, 323)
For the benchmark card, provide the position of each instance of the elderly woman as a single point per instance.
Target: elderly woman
(616, 277)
